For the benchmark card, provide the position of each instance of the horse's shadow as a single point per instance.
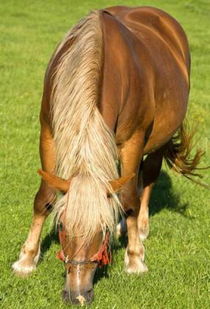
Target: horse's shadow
(163, 197)
(50, 238)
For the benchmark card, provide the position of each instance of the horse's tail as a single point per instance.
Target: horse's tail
(178, 155)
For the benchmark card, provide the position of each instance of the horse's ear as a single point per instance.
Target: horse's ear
(117, 184)
(55, 181)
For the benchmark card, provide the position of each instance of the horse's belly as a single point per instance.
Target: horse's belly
(166, 123)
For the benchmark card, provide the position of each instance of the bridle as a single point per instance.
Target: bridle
(101, 258)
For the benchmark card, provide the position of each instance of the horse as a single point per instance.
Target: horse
(114, 101)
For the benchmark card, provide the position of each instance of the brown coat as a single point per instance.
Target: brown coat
(145, 75)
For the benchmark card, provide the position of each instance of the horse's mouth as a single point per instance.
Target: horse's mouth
(78, 299)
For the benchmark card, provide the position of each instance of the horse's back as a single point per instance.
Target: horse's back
(158, 67)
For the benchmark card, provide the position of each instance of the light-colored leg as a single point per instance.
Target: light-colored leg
(30, 251)
(143, 218)
(134, 255)
(131, 155)
(150, 171)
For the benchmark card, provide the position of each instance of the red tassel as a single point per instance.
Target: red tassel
(102, 257)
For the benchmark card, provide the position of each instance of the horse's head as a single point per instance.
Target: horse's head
(81, 257)
(81, 261)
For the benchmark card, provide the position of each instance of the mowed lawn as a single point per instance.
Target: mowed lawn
(178, 248)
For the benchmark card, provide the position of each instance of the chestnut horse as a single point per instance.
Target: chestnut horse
(115, 93)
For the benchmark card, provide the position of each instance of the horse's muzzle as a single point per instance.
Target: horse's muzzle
(84, 297)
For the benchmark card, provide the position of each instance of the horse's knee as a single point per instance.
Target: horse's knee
(44, 199)
(129, 200)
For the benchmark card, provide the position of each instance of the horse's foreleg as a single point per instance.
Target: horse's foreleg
(131, 155)
(44, 198)
(150, 171)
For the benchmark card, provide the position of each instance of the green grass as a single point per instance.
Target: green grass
(178, 249)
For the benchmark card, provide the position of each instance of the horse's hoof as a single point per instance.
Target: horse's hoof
(136, 268)
(140, 269)
(22, 270)
(135, 264)
(26, 264)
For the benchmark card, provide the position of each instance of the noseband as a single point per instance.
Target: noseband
(102, 257)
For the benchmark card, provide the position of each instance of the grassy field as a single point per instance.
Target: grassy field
(178, 249)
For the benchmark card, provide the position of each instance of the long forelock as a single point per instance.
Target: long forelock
(87, 208)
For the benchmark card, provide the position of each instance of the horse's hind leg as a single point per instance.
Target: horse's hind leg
(150, 170)
(30, 251)
(131, 155)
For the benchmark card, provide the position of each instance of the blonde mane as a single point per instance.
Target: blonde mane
(85, 146)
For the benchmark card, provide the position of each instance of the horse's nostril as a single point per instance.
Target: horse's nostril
(89, 295)
(66, 296)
